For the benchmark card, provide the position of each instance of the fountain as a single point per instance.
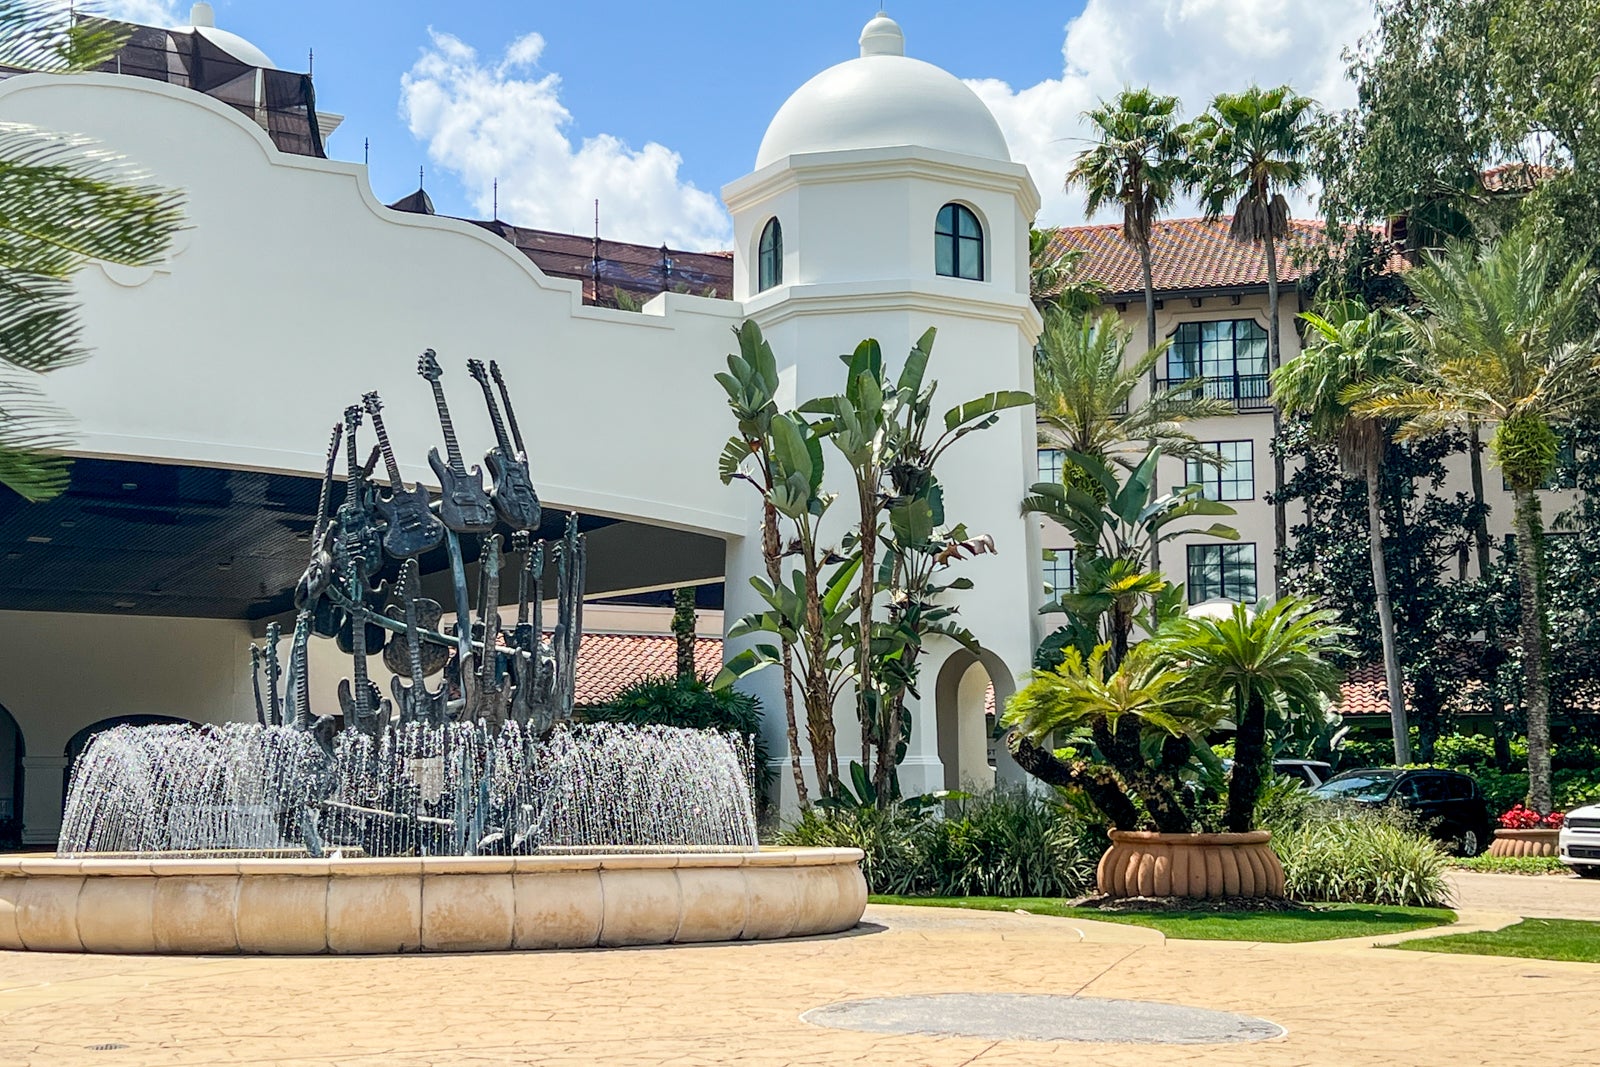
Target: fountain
(470, 816)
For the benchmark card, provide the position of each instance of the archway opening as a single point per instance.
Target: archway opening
(970, 692)
(12, 751)
(80, 740)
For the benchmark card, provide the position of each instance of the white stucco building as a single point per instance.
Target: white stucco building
(202, 417)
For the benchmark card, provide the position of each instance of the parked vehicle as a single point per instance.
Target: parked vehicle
(1580, 841)
(1308, 772)
(1448, 804)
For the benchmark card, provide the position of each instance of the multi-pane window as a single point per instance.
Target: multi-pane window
(958, 243)
(1222, 572)
(769, 258)
(1235, 480)
(1050, 465)
(1231, 355)
(1060, 570)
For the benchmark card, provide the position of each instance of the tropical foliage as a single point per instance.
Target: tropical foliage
(64, 201)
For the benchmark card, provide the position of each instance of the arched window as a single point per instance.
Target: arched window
(770, 258)
(958, 243)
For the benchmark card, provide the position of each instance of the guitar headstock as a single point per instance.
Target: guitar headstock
(519, 541)
(428, 365)
(475, 368)
(494, 371)
(372, 402)
(352, 418)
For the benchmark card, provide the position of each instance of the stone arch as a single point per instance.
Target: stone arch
(971, 689)
(13, 751)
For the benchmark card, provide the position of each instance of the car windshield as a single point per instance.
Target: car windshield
(1357, 787)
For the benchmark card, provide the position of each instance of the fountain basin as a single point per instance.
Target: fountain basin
(299, 906)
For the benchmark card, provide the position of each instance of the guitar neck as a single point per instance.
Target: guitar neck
(395, 481)
(413, 639)
(327, 483)
(353, 462)
(358, 642)
(522, 586)
(494, 413)
(299, 665)
(452, 449)
(511, 412)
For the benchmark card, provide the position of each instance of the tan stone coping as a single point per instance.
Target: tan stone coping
(296, 906)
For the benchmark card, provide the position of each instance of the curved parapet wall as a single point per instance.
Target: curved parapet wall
(446, 904)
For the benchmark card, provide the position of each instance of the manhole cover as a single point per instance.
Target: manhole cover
(1031, 1017)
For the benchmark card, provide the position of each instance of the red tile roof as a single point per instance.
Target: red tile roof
(609, 663)
(1515, 177)
(1365, 692)
(1186, 254)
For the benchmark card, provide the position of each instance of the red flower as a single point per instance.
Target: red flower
(1521, 818)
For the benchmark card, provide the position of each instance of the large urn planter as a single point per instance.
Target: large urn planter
(1197, 866)
(1525, 843)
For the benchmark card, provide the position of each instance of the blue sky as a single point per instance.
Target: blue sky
(652, 107)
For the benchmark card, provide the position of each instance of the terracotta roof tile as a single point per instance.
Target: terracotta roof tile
(609, 663)
(1186, 254)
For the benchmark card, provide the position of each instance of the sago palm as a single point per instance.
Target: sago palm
(64, 201)
(1264, 667)
(1345, 349)
(1251, 149)
(1500, 342)
(1084, 390)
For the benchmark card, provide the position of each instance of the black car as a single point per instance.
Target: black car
(1448, 804)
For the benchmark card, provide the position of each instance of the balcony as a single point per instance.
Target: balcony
(1246, 392)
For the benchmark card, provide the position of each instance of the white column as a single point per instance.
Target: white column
(43, 780)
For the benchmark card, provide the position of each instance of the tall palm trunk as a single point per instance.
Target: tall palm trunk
(772, 552)
(1280, 520)
(1535, 673)
(1249, 759)
(1148, 276)
(1480, 531)
(1380, 584)
(1491, 627)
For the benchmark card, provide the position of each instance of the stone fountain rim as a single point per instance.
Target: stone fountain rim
(27, 865)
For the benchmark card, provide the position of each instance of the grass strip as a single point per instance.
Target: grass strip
(1535, 939)
(1313, 922)
(1511, 864)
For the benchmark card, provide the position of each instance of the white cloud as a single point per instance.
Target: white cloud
(505, 120)
(141, 12)
(1193, 49)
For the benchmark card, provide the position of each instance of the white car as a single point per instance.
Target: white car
(1580, 841)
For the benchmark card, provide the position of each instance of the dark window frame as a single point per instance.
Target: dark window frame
(1065, 558)
(1213, 356)
(1223, 550)
(965, 250)
(769, 256)
(1216, 483)
(1050, 469)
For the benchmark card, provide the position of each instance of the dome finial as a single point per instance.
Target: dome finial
(882, 37)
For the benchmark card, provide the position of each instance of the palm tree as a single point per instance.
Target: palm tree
(63, 202)
(1501, 342)
(1053, 280)
(1251, 148)
(1084, 393)
(1346, 349)
(1139, 161)
(1260, 665)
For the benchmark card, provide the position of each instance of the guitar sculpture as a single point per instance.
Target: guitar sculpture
(527, 666)
(364, 705)
(416, 704)
(358, 534)
(255, 682)
(490, 691)
(463, 505)
(274, 675)
(427, 612)
(513, 493)
(319, 571)
(412, 527)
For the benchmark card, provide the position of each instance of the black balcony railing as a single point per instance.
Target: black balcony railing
(1246, 392)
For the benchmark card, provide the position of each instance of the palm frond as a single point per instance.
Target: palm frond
(47, 35)
(31, 433)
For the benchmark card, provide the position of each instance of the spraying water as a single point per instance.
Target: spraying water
(456, 789)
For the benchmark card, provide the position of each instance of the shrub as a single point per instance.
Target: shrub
(1342, 852)
(1002, 844)
(688, 703)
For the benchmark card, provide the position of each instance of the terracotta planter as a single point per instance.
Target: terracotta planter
(1525, 843)
(1198, 866)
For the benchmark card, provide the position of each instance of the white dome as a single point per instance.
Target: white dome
(203, 22)
(883, 100)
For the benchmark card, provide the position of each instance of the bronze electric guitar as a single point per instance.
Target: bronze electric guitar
(416, 704)
(525, 636)
(463, 505)
(364, 706)
(491, 688)
(359, 541)
(413, 528)
(319, 571)
(513, 493)
(426, 613)
(274, 676)
(255, 682)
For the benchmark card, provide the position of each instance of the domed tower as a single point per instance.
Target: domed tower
(884, 201)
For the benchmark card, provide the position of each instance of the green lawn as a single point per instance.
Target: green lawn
(1512, 864)
(1539, 939)
(1316, 922)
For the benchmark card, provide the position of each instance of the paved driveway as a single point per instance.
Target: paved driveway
(1342, 1003)
(1548, 896)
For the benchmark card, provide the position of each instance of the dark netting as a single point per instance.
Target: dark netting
(279, 101)
(617, 273)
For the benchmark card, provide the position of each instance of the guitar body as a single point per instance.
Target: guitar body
(359, 538)
(378, 707)
(463, 505)
(375, 635)
(416, 704)
(513, 493)
(413, 528)
(397, 654)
